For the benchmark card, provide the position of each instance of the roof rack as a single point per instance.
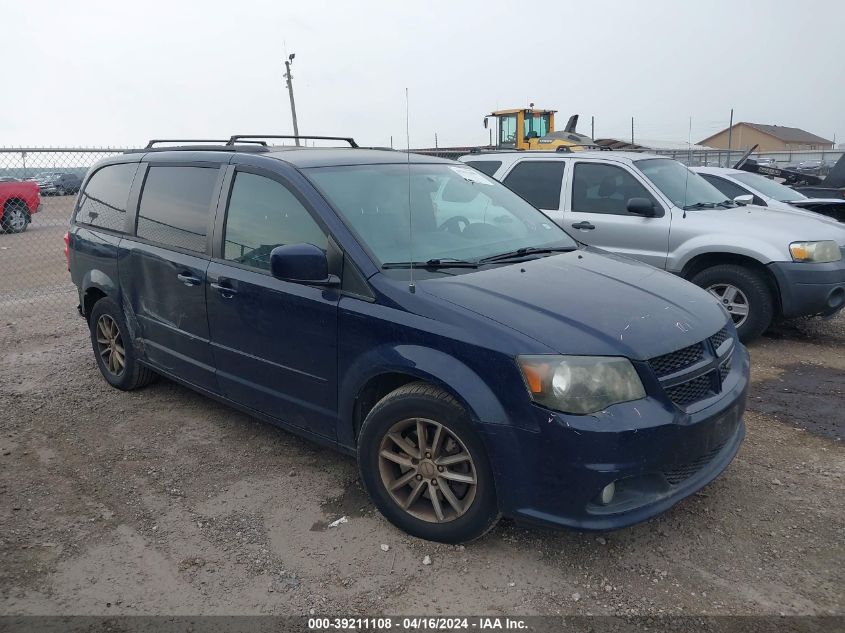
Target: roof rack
(195, 140)
(239, 137)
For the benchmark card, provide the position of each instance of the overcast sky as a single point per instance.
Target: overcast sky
(118, 73)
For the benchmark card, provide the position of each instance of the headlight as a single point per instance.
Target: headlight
(819, 252)
(580, 384)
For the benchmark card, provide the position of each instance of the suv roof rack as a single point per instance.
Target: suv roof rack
(154, 141)
(239, 138)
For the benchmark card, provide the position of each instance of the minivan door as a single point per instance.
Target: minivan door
(596, 213)
(162, 270)
(274, 342)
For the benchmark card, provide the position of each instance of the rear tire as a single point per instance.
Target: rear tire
(114, 349)
(441, 489)
(744, 293)
(15, 217)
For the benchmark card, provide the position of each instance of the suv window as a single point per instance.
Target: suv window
(175, 204)
(103, 202)
(264, 214)
(728, 188)
(598, 188)
(488, 167)
(538, 182)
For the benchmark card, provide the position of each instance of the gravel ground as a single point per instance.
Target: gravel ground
(162, 501)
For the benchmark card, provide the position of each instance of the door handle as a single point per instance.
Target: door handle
(227, 292)
(188, 279)
(583, 226)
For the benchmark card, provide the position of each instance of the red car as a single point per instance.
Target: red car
(18, 201)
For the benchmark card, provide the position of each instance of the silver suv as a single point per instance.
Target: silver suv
(760, 263)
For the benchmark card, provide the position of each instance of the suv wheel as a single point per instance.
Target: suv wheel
(425, 467)
(60, 191)
(744, 293)
(15, 217)
(113, 348)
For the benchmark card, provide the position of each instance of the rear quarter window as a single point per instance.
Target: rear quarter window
(488, 167)
(103, 201)
(175, 206)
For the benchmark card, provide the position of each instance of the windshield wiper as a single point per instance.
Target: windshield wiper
(443, 262)
(728, 204)
(701, 205)
(523, 252)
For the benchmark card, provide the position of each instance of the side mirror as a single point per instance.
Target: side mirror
(301, 263)
(744, 199)
(485, 123)
(641, 206)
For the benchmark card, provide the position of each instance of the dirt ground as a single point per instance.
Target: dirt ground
(162, 501)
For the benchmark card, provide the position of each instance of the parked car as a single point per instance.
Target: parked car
(761, 264)
(477, 363)
(18, 202)
(58, 183)
(765, 192)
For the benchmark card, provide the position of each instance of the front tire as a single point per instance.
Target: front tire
(424, 466)
(744, 293)
(113, 348)
(15, 217)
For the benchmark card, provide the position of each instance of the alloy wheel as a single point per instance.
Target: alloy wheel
(110, 345)
(427, 470)
(734, 301)
(16, 219)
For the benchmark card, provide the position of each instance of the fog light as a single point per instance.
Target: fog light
(607, 493)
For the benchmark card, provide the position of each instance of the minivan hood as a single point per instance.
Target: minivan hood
(588, 302)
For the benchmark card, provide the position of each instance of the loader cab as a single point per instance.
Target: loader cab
(515, 128)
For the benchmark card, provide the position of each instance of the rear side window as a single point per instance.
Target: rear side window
(488, 167)
(538, 182)
(598, 188)
(175, 206)
(103, 202)
(264, 214)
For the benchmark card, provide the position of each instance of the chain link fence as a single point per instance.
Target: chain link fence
(38, 188)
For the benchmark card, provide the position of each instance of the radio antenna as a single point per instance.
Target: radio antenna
(689, 160)
(411, 287)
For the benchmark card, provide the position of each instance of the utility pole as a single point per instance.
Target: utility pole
(632, 130)
(593, 127)
(289, 79)
(730, 134)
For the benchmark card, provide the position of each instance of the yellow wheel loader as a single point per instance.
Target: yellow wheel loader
(534, 129)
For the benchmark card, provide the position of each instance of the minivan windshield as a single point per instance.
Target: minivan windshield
(457, 214)
(683, 187)
(769, 187)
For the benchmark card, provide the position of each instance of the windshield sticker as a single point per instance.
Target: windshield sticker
(470, 174)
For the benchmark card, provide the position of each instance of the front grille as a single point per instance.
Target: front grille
(691, 391)
(694, 372)
(724, 370)
(684, 471)
(676, 361)
(719, 337)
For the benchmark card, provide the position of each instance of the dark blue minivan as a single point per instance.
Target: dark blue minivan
(415, 313)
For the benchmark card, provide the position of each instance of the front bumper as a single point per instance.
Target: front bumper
(654, 453)
(808, 289)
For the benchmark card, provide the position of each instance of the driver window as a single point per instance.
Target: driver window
(598, 188)
(264, 214)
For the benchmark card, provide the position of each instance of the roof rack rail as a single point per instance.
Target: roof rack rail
(239, 137)
(195, 140)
